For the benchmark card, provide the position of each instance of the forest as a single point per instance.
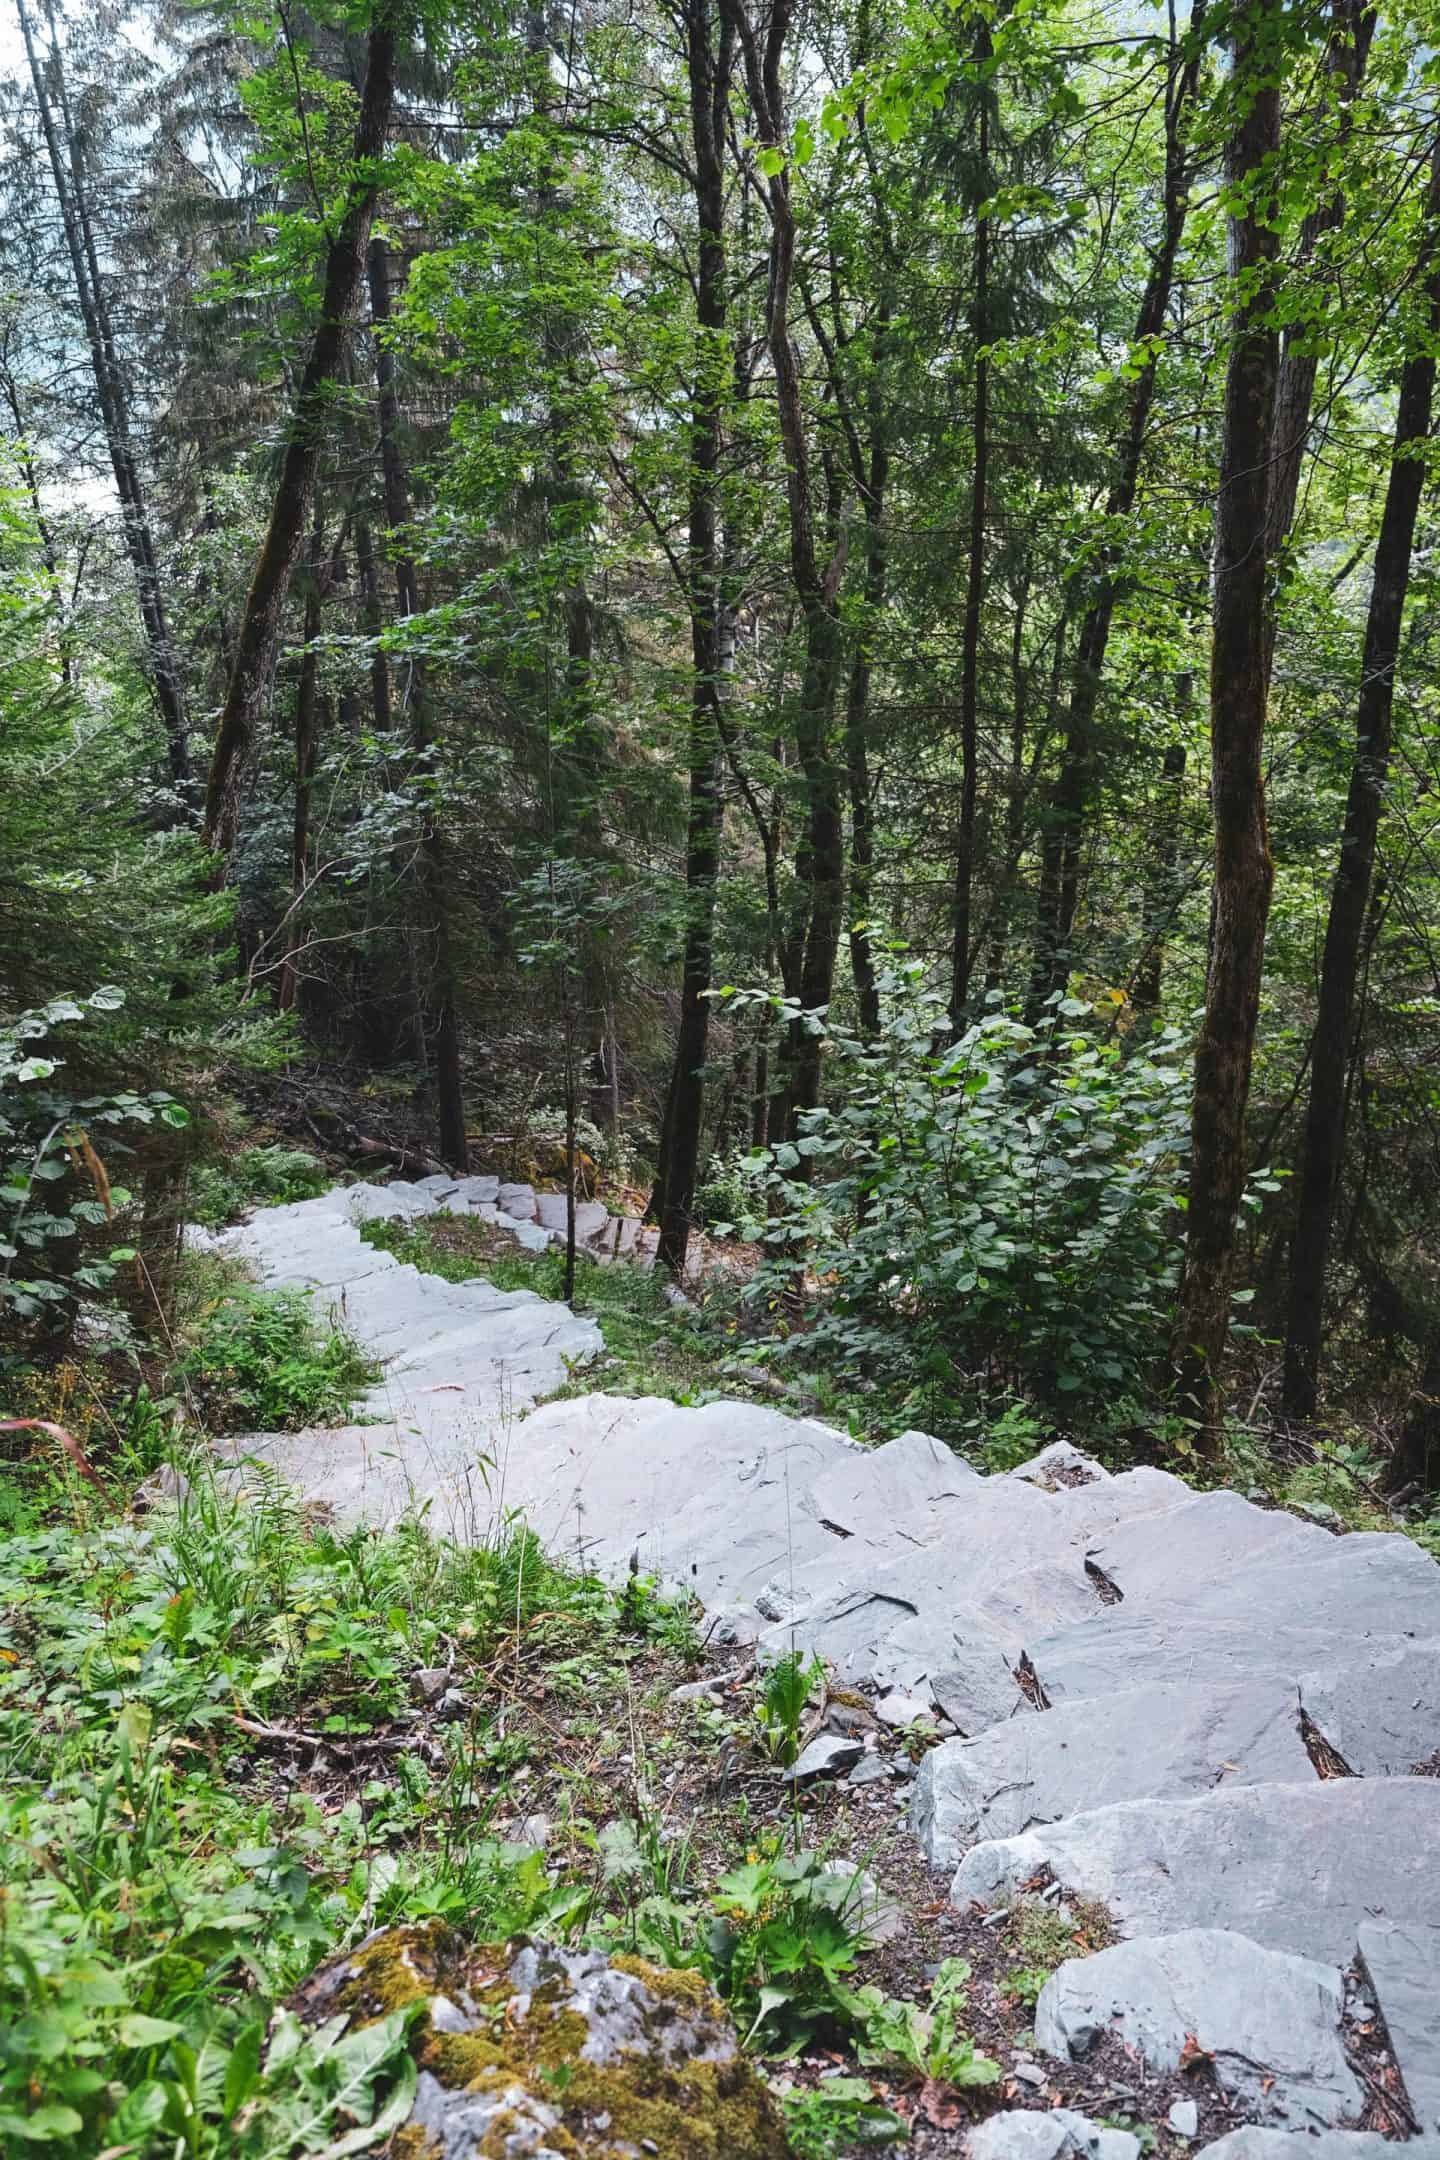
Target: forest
(819, 614)
(719, 1069)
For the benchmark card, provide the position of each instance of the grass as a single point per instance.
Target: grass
(254, 1360)
(214, 1775)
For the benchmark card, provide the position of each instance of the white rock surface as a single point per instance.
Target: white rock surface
(1052, 2134)
(1295, 1867)
(1271, 2022)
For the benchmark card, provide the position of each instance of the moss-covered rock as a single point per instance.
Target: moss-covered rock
(535, 2052)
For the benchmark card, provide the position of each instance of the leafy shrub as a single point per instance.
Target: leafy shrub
(931, 2042)
(731, 1191)
(269, 1176)
(1007, 1206)
(54, 1183)
(835, 2116)
(258, 1362)
(789, 1932)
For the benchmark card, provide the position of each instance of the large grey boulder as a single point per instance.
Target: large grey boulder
(1348, 1602)
(1163, 1741)
(1297, 1867)
(1049, 2134)
(1402, 1960)
(1269, 2022)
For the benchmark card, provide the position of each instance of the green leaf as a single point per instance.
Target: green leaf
(43, 2125)
(138, 2031)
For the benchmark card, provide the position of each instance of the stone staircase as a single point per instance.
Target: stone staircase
(1211, 1717)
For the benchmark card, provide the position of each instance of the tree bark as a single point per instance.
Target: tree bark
(284, 536)
(1064, 838)
(110, 391)
(434, 874)
(857, 707)
(1244, 872)
(963, 896)
(709, 54)
(821, 858)
(1350, 893)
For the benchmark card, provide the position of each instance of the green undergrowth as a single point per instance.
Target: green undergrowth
(214, 1774)
(234, 1741)
(256, 1360)
(267, 1176)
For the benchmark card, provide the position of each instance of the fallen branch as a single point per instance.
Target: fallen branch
(67, 1441)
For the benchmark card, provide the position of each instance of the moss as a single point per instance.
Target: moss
(686, 1989)
(413, 2143)
(686, 2110)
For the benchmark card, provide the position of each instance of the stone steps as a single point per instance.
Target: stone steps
(1146, 1682)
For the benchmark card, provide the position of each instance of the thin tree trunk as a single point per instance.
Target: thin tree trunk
(1064, 838)
(306, 752)
(434, 877)
(963, 896)
(374, 617)
(709, 62)
(821, 858)
(110, 392)
(1344, 929)
(284, 536)
(1244, 872)
(1161, 891)
(1345, 62)
(857, 710)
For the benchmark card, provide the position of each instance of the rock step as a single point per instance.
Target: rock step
(1269, 2022)
(1296, 1867)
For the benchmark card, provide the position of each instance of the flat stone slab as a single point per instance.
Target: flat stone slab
(1403, 1964)
(1382, 1714)
(1049, 2134)
(1350, 1602)
(1296, 1867)
(1260, 2143)
(1207, 1536)
(1158, 1742)
(1270, 2022)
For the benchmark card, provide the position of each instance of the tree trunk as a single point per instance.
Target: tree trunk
(110, 391)
(857, 709)
(1161, 895)
(1064, 838)
(1345, 62)
(1244, 873)
(434, 878)
(264, 605)
(1350, 893)
(306, 755)
(709, 62)
(821, 857)
(963, 896)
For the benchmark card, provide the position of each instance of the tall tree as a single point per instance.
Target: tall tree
(1355, 870)
(434, 872)
(820, 862)
(67, 168)
(259, 629)
(1243, 869)
(709, 61)
(1064, 834)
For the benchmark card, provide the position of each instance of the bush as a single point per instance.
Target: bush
(58, 1203)
(221, 1191)
(258, 1362)
(1005, 1209)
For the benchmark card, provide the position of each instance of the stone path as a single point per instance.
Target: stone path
(1202, 1714)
